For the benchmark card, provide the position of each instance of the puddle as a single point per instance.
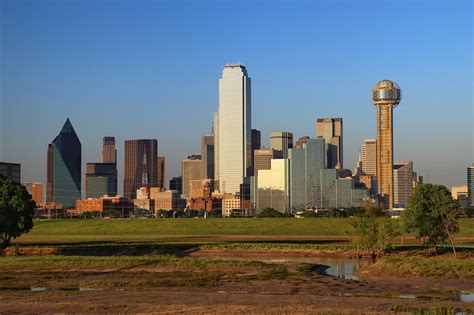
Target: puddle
(41, 289)
(466, 296)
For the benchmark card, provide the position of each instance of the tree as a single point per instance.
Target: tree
(367, 231)
(16, 210)
(272, 213)
(375, 235)
(372, 209)
(432, 214)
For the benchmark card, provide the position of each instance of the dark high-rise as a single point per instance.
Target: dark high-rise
(207, 153)
(256, 144)
(176, 183)
(161, 171)
(136, 169)
(101, 179)
(64, 168)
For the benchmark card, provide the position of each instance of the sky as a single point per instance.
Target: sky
(150, 69)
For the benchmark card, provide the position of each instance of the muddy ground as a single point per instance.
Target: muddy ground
(199, 282)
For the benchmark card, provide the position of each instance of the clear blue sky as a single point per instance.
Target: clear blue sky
(150, 69)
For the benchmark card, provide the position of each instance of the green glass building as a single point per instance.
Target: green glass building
(63, 184)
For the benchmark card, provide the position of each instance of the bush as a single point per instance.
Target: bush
(272, 213)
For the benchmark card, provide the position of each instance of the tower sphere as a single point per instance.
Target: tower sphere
(386, 92)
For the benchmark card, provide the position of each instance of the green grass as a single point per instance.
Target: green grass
(156, 229)
(152, 229)
(426, 267)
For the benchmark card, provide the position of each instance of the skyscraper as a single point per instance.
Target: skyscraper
(207, 153)
(281, 141)
(176, 183)
(386, 95)
(263, 157)
(191, 169)
(330, 129)
(101, 179)
(36, 192)
(12, 170)
(233, 128)
(368, 153)
(300, 142)
(256, 141)
(470, 185)
(402, 183)
(64, 168)
(135, 153)
(109, 153)
(303, 182)
(161, 171)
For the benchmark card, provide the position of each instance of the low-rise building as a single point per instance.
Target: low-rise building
(105, 205)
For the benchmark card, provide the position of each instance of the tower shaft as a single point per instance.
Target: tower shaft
(385, 153)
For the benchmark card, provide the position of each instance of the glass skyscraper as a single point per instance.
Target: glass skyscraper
(64, 168)
(312, 185)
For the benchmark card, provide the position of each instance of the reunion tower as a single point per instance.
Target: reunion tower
(386, 95)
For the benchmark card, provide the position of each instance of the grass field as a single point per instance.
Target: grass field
(76, 230)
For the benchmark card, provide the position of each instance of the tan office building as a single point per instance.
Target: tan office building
(109, 153)
(300, 142)
(165, 199)
(36, 191)
(191, 169)
(263, 158)
(330, 129)
(281, 141)
(368, 152)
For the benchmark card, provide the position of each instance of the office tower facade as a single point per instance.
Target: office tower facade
(273, 187)
(470, 185)
(176, 183)
(12, 170)
(64, 168)
(207, 153)
(314, 186)
(161, 171)
(300, 142)
(386, 95)
(140, 153)
(36, 191)
(263, 158)
(190, 170)
(281, 141)
(368, 153)
(109, 153)
(101, 180)
(331, 130)
(233, 128)
(458, 191)
(402, 183)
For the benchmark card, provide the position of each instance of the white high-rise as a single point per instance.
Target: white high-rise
(233, 128)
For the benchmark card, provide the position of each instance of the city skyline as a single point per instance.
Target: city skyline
(280, 101)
